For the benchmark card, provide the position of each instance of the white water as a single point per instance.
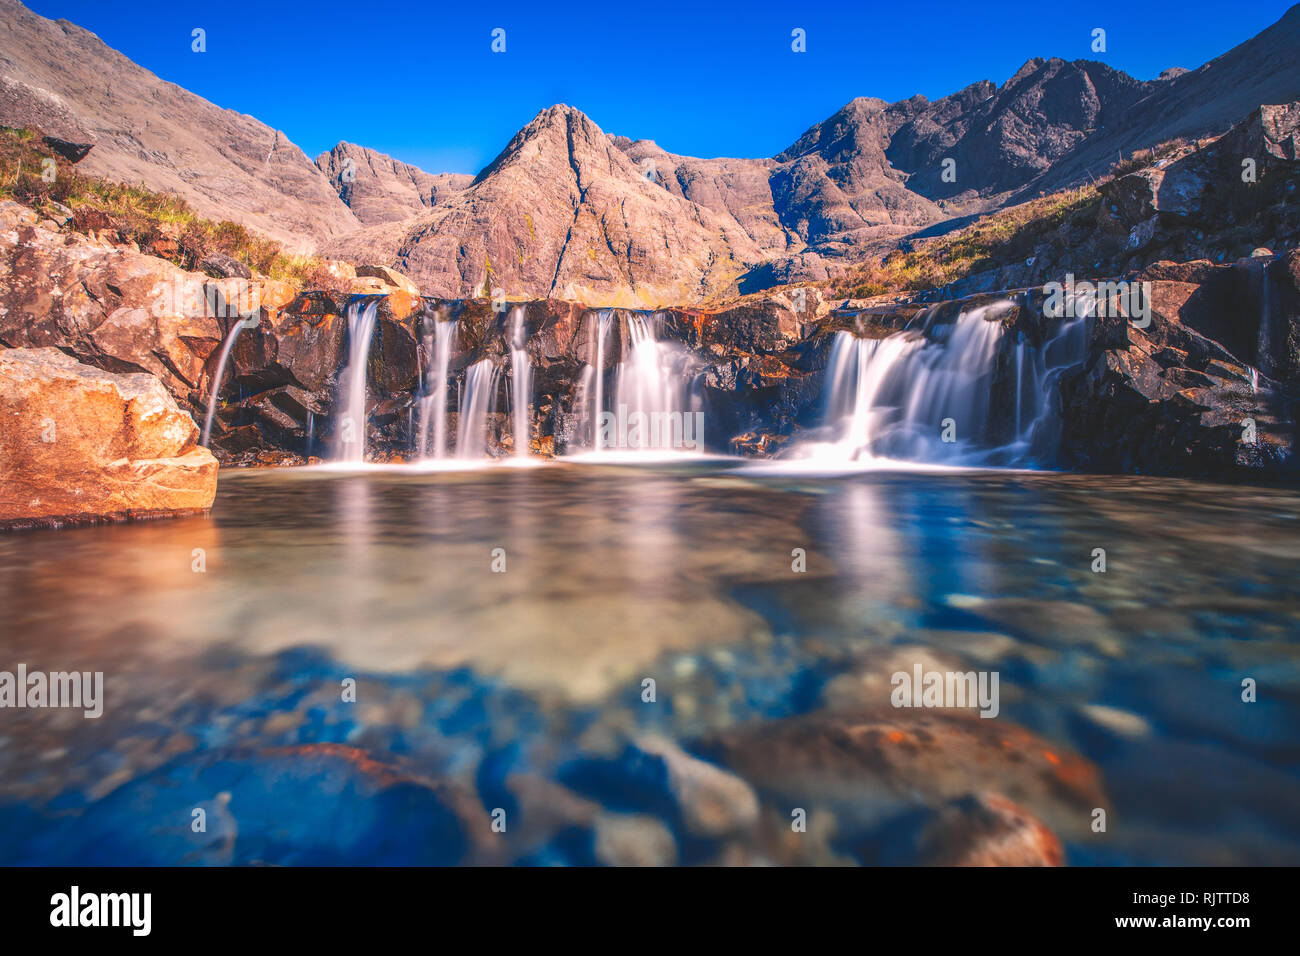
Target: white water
(521, 372)
(227, 344)
(477, 402)
(593, 378)
(350, 429)
(927, 394)
(433, 401)
(650, 395)
(652, 378)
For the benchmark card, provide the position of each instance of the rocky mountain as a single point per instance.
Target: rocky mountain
(378, 188)
(1265, 70)
(849, 188)
(146, 130)
(567, 210)
(563, 209)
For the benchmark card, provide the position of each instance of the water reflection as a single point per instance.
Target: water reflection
(684, 576)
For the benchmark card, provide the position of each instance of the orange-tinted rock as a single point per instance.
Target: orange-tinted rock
(983, 830)
(78, 444)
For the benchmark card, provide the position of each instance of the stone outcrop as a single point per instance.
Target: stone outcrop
(78, 444)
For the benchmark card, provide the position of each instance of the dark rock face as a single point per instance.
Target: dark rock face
(1170, 399)
(1207, 387)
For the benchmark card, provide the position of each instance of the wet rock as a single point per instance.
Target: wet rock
(982, 829)
(869, 766)
(311, 805)
(655, 775)
(630, 840)
(78, 444)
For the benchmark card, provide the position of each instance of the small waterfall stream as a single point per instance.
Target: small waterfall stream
(477, 402)
(227, 344)
(593, 376)
(521, 372)
(350, 428)
(437, 347)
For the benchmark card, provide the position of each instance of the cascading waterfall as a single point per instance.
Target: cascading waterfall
(521, 372)
(350, 427)
(650, 394)
(438, 346)
(593, 376)
(227, 344)
(927, 394)
(477, 401)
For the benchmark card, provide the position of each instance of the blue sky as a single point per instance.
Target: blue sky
(419, 81)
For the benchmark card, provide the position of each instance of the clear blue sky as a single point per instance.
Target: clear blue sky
(418, 80)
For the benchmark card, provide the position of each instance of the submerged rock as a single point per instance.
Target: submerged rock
(78, 444)
(867, 767)
(982, 829)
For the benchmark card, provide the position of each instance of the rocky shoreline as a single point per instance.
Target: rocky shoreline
(1205, 385)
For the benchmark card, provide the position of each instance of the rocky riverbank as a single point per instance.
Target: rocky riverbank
(1176, 394)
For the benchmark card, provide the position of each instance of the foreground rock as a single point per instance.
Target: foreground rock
(78, 444)
(863, 771)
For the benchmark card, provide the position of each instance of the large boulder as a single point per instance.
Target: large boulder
(78, 444)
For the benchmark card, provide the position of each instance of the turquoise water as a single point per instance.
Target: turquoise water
(226, 641)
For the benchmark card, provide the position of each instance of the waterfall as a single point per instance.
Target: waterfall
(227, 344)
(650, 392)
(933, 393)
(477, 402)
(351, 426)
(593, 376)
(521, 372)
(437, 349)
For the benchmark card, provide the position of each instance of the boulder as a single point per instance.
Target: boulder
(981, 829)
(375, 279)
(78, 444)
(868, 766)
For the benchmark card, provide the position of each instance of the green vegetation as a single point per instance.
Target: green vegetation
(987, 243)
(162, 225)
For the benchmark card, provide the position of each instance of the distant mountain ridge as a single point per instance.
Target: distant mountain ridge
(567, 210)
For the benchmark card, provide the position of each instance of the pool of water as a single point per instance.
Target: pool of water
(500, 630)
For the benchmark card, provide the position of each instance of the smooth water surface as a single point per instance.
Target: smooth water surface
(491, 679)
